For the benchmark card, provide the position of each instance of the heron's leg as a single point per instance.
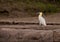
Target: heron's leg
(40, 26)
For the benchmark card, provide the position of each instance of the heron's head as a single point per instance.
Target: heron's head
(40, 13)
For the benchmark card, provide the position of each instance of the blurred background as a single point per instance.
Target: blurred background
(19, 21)
(27, 8)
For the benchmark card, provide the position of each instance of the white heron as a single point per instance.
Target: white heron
(41, 19)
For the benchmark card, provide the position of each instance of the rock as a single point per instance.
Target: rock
(26, 35)
(57, 35)
(4, 35)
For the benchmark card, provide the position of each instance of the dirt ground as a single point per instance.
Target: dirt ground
(54, 18)
(30, 33)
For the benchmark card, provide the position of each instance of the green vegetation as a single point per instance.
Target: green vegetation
(35, 5)
(39, 5)
(31, 6)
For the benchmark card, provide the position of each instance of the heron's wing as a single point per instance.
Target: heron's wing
(42, 21)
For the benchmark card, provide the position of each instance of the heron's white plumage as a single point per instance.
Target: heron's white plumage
(41, 20)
